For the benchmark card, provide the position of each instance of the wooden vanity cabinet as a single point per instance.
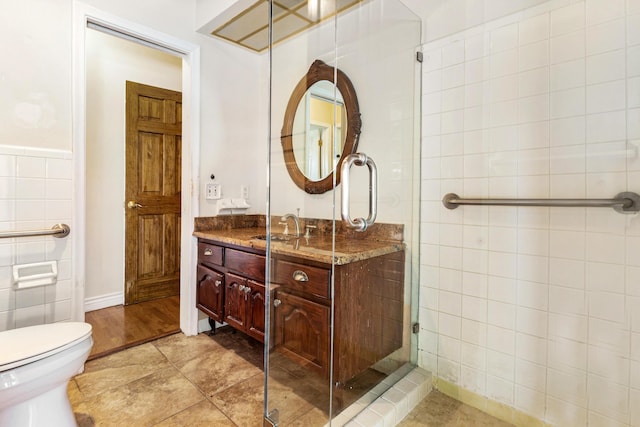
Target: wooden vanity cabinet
(368, 299)
(368, 308)
(231, 287)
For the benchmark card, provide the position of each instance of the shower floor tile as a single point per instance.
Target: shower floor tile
(440, 410)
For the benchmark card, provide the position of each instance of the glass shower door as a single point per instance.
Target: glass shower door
(343, 208)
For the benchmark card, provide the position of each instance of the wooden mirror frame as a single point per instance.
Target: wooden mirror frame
(317, 72)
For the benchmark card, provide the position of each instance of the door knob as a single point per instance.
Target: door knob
(132, 205)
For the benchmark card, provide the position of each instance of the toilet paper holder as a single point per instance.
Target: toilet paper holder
(35, 274)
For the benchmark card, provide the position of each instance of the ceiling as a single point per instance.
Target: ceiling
(250, 26)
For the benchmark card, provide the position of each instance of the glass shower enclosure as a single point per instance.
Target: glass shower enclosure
(343, 207)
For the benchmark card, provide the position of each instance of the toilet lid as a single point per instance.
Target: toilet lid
(25, 345)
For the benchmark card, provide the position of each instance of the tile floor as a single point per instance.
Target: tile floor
(440, 410)
(218, 381)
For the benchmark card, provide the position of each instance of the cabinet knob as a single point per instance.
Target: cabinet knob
(218, 283)
(247, 290)
(300, 276)
(241, 288)
(208, 251)
(276, 302)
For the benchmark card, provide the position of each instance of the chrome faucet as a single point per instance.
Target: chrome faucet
(296, 221)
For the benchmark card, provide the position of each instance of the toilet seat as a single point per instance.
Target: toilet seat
(25, 345)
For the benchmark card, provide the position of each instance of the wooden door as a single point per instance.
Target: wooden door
(152, 204)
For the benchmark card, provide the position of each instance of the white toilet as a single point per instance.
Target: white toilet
(36, 364)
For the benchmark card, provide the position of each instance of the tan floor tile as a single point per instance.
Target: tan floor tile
(145, 401)
(203, 414)
(315, 417)
(294, 398)
(73, 392)
(243, 403)
(139, 387)
(178, 348)
(217, 371)
(120, 368)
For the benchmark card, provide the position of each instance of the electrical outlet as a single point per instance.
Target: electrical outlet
(214, 191)
(244, 192)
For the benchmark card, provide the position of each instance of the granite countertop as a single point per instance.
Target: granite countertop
(315, 248)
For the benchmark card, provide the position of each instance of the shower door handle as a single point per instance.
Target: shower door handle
(359, 159)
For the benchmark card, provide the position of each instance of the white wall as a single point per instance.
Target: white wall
(535, 308)
(35, 159)
(234, 125)
(35, 77)
(35, 106)
(110, 63)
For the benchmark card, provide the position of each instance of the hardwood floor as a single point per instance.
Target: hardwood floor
(119, 327)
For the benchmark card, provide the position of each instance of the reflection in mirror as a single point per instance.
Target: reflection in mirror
(321, 126)
(317, 140)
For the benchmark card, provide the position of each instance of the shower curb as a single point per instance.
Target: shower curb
(390, 407)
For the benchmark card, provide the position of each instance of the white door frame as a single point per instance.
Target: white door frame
(190, 53)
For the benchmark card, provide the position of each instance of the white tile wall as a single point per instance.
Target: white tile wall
(535, 308)
(36, 190)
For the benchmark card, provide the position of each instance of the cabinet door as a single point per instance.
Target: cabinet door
(302, 331)
(210, 293)
(255, 310)
(235, 307)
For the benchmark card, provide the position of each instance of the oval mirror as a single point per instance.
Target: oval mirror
(321, 126)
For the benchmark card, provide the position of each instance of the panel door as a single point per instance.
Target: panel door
(152, 195)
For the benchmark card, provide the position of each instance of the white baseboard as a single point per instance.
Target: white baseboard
(103, 301)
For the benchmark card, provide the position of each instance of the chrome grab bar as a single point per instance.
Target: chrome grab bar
(359, 159)
(58, 230)
(623, 202)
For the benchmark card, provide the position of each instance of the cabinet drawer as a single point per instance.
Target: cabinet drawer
(305, 278)
(209, 253)
(250, 265)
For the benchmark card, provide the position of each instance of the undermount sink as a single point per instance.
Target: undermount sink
(276, 237)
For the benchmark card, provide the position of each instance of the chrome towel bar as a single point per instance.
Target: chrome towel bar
(58, 230)
(626, 202)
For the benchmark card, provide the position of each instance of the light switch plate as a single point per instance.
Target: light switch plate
(214, 191)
